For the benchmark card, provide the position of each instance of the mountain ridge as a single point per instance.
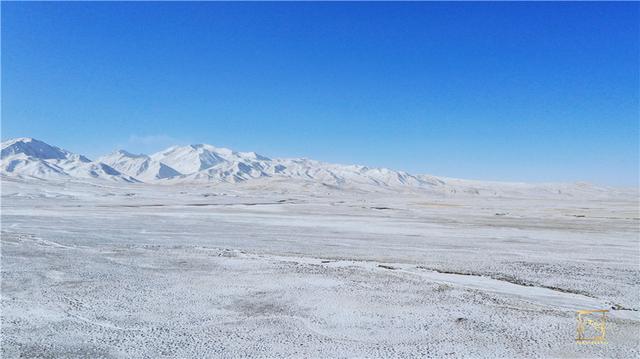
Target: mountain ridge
(202, 163)
(31, 158)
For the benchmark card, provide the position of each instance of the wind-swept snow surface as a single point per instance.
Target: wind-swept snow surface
(283, 267)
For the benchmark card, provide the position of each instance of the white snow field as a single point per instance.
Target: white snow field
(204, 252)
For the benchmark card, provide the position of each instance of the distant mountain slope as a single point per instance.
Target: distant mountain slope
(29, 158)
(142, 167)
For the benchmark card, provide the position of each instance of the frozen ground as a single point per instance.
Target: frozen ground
(282, 270)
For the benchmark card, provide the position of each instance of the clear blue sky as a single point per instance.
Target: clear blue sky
(505, 91)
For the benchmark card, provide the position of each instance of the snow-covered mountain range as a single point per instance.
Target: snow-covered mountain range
(29, 158)
(206, 163)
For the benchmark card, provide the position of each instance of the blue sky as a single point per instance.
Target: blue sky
(504, 91)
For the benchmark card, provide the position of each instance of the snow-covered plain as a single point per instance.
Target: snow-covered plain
(278, 266)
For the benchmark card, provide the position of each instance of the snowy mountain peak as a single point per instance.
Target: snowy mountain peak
(27, 157)
(189, 159)
(254, 156)
(30, 147)
(141, 167)
(18, 139)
